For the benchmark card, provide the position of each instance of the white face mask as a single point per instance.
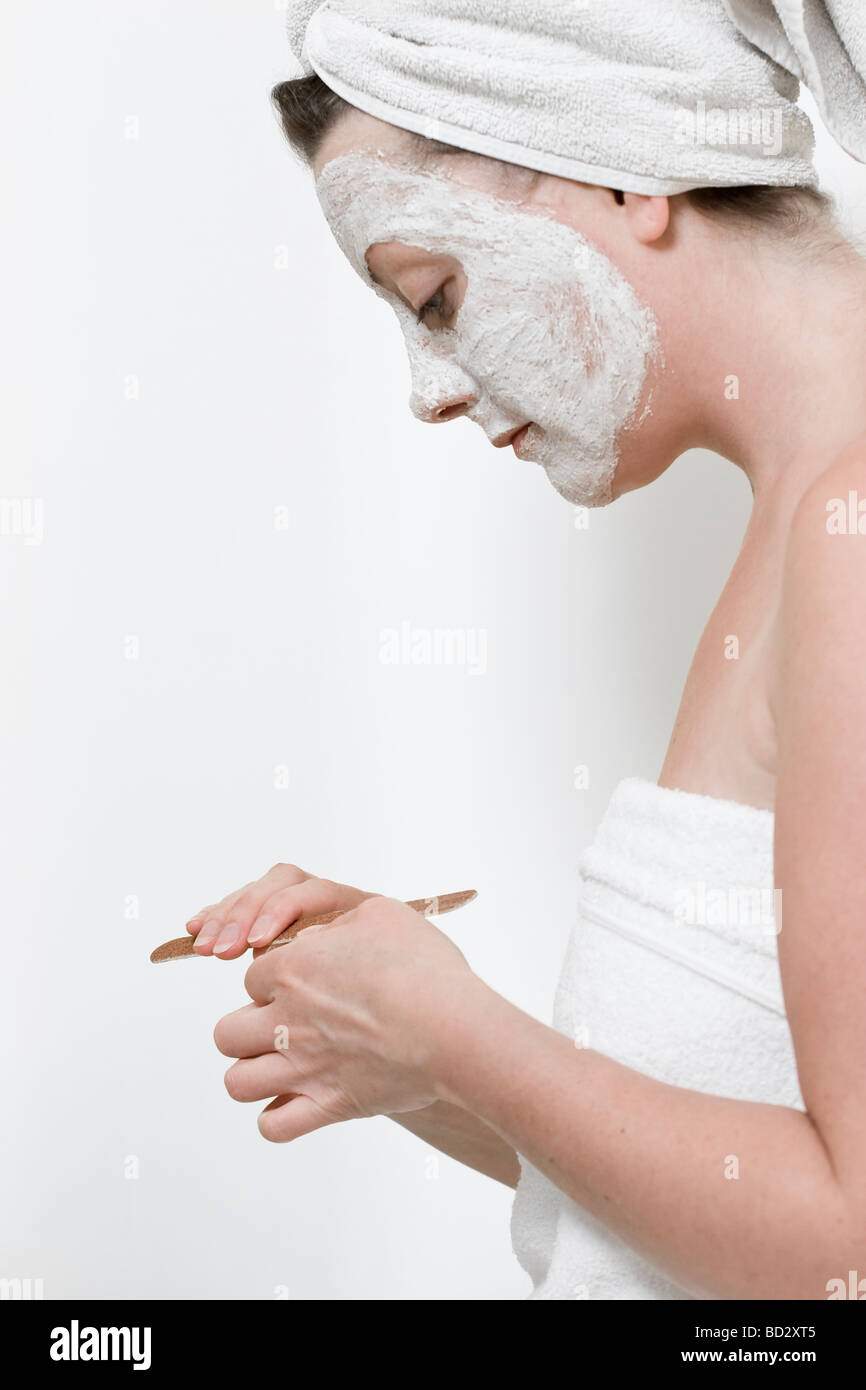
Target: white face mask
(548, 329)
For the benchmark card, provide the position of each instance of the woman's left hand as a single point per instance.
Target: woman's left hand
(345, 1020)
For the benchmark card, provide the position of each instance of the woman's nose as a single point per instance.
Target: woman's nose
(450, 411)
(441, 388)
(437, 407)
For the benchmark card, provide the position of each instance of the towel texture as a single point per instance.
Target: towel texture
(671, 969)
(650, 96)
(823, 43)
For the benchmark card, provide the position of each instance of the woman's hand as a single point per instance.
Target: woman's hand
(346, 1020)
(256, 913)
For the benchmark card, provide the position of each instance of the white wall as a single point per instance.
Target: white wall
(152, 778)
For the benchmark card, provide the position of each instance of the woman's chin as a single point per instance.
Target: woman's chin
(583, 480)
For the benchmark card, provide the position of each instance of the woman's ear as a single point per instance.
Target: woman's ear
(649, 215)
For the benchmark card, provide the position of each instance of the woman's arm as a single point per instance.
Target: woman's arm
(653, 1161)
(456, 1132)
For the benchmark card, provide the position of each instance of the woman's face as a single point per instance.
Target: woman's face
(510, 316)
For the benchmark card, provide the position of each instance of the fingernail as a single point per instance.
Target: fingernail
(260, 930)
(208, 933)
(227, 938)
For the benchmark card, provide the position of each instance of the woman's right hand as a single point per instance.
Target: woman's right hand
(258, 912)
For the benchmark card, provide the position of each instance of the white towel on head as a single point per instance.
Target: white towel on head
(823, 43)
(650, 96)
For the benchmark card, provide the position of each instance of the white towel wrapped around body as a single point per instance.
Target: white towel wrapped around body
(649, 96)
(672, 969)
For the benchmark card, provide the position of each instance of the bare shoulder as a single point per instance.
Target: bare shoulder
(822, 614)
(827, 541)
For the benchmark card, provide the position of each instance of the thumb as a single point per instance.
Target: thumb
(288, 1117)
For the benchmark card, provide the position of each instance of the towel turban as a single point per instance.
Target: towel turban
(649, 96)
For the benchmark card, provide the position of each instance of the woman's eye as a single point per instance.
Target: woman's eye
(435, 305)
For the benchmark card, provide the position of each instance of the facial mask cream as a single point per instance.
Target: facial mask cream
(548, 331)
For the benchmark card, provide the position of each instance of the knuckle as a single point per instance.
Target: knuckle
(286, 964)
(231, 1082)
(219, 1037)
(292, 872)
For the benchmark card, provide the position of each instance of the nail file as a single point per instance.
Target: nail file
(184, 945)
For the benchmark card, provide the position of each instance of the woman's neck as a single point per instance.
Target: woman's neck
(783, 378)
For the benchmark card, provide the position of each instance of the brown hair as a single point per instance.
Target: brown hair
(308, 108)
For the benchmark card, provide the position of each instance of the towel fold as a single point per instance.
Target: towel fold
(650, 96)
(671, 969)
(823, 44)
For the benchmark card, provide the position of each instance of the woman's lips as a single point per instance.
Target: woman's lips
(513, 437)
(518, 439)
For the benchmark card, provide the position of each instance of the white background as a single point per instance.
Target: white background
(158, 236)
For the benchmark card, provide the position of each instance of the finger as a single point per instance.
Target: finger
(260, 978)
(248, 1032)
(260, 981)
(195, 923)
(213, 922)
(307, 899)
(259, 1078)
(288, 1117)
(233, 939)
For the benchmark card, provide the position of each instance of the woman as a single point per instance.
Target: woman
(694, 1124)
